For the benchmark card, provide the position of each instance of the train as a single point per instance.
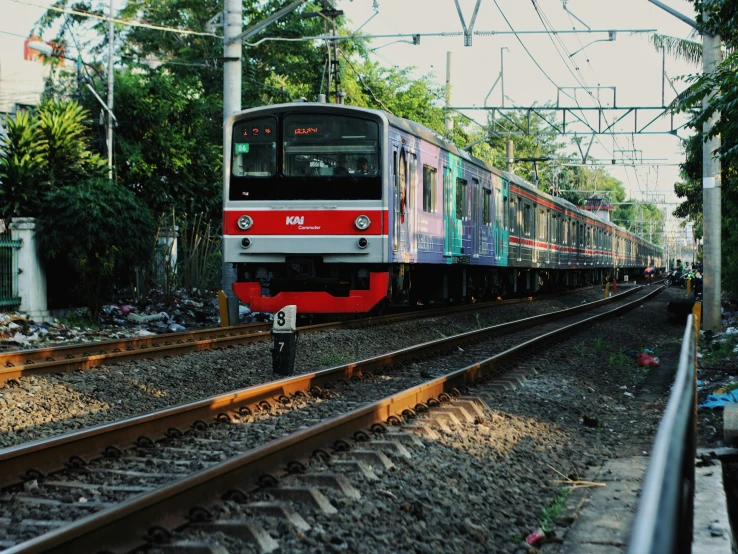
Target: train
(341, 209)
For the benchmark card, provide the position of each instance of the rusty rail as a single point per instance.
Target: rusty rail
(75, 357)
(47, 455)
(128, 525)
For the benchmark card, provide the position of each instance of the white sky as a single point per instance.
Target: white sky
(629, 63)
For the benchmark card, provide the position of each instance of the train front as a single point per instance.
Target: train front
(305, 214)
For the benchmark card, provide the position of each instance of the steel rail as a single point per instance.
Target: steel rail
(663, 522)
(127, 526)
(51, 454)
(75, 357)
(86, 356)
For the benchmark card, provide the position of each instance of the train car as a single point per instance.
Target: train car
(338, 209)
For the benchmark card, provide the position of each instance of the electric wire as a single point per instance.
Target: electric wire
(126, 22)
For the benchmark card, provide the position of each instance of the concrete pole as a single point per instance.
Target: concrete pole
(711, 192)
(449, 121)
(502, 73)
(111, 77)
(510, 155)
(232, 20)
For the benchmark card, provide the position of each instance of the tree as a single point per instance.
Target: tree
(89, 225)
(44, 150)
(22, 166)
(168, 141)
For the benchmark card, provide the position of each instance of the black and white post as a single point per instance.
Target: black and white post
(284, 340)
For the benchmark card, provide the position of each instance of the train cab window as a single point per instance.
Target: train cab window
(255, 147)
(430, 180)
(461, 199)
(330, 145)
(487, 207)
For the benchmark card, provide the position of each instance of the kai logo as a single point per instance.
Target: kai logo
(295, 220)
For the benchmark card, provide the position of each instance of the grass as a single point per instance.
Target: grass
(581, 350)
(333, 359)
(601, 345)
(620, 360)
(721, 352)
(549, 515)
(79, 318)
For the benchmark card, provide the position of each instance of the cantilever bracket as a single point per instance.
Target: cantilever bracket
(468, 31)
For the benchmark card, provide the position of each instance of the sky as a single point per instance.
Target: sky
(628, 63)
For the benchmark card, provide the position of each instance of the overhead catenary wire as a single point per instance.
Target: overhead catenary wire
(125, 22)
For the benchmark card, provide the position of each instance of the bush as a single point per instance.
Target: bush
(102, 230)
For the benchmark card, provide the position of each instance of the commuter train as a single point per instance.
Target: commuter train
(339, 209)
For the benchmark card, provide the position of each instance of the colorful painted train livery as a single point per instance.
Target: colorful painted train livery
(338, 209)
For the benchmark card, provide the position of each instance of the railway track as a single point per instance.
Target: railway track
(154, 456)
(75, 357)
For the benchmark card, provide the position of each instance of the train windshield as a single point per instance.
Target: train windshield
(255, 147)
(330, 145)
(306, 156)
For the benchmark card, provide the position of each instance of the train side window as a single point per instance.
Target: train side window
(554, 229)
(430, 180)
(504, 212)
(461, 207)
(471, 196)
(487, 207)
(527, 220)
(413, 170)
(542, 225)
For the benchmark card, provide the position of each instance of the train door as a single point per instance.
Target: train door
(475, 218)
(453, 207)
(400, 190)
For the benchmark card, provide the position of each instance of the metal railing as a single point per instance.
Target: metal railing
(9, 271)
(663, 522)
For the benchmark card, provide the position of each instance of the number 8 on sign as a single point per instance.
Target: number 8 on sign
(285, 320)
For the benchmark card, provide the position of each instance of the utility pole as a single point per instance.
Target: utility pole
(711, 198)
(510, 156)
(711, 187)
(232, 23)
(111, 76)
(449, 121)
(502, 73)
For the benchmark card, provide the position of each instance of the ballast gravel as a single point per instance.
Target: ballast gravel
(484, 486)
(48, 405)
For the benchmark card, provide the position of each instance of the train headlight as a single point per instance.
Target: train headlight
(362, 222)
(245, 222)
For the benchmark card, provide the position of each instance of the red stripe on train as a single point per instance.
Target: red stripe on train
(306, 222)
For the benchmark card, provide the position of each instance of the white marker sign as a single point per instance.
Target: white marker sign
(285, 320)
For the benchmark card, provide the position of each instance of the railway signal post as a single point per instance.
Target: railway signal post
(284, 335)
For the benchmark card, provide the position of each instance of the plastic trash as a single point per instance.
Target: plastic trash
(731, 331)
(144, 333)
(136, 318)
(646, 360)
(176, 328)
(714, 401)
(535, 537)
(648, 351)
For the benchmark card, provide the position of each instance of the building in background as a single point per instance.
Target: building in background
(22, 75)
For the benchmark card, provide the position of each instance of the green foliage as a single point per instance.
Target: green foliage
(549, 515)
(22, 166)
(620, 360)
(168, 141)
(720, 352)
(44, 150)
(90, 224)
(79, 318)
(721, 17)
